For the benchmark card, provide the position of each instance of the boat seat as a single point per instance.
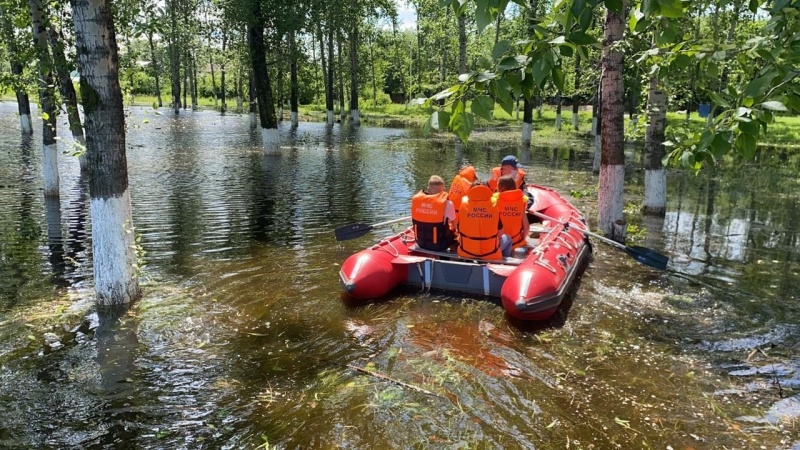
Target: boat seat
(452, 255)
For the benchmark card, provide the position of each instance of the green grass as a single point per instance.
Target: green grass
(785, 132)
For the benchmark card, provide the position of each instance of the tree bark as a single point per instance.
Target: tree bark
(340, 66)
(68, 95)
(190, 71)
(558, 111)
(23, 102)
(113, 246)
(174, 51)
(655, 177)
(46, 98)
(293, 88)
(223, 103)
(154, 65)
(355, 114)
(612, 160)
(462, 44)
(266, 104)
(251, 94)
(575, 93)
(527, 122)
(329, 80)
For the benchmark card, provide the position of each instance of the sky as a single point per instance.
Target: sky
(407, 16)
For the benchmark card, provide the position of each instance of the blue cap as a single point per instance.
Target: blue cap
(511, 160)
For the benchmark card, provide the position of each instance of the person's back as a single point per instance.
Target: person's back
(478, 225)
(460, 185)
(512, 206)
(431, 216)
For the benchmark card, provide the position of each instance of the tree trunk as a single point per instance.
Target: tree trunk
(190, 71)
(252, 99)
(355, 114)
(23, 103)
(374, 76)
(558, 111)
(279, 73)
(174, 62)
(46, 98)
(68, 95)
(113, 245)
(266, 105)
(340, 66)
(154, 64)
(655, 177)
(195, 104)
(185, 79)
(527, 122)
(239, 91)
(223, 103)
(293, 88)
(575, 95)
(497, 28)
(329, 80)
(462, 44)
(612, 162)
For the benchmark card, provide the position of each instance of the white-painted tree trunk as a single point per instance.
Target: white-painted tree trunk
(598, 151)
(25, 123)
(329, 114)
(539, 111)
(271, 141)
(655, 191)
(527, 132)
(115, 275)
(50, 163)
(594, 126)
(295, 119)
(253, 120)
(610, 198)
(575, 122)
(355, 115)
(558, 121)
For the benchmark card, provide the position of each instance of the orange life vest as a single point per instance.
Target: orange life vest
(497, 173)
(478, 221)
(460, 185)
(431, 228)
(512, 205)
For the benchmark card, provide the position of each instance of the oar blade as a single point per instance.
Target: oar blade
(351, 231)
(648, 257)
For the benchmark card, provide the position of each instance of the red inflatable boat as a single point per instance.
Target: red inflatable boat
(531, 284)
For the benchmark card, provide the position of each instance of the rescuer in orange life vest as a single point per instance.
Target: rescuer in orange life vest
(432, 215)
(512, 206)
(510, 166)
(480, 233)
(460, 185)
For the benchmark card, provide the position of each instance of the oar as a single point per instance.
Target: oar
(354, 230)
(646, 256)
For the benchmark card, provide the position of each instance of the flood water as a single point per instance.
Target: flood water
(243, 339)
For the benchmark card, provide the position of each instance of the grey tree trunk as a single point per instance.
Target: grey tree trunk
(189, 70)
(655, 177)
(575, 95)
(266, 104)
(23, 102)
(527, 122)
(374, 76)
(154, 64)
(462, 44)
(46, 97)
(340, 62)
(612, 160)
(293, 88)
(113, 246)
(68, 95)
(329, 82)
(251, 94)
(174, 51)
(193, 74)
(223, 103)
(355, 114)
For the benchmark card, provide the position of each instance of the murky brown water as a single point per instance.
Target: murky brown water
(243, 338)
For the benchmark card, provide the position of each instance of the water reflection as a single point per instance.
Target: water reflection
(242, 332)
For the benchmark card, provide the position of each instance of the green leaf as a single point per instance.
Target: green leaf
(721, 144)
(482, 106)
(750, 128)
(566, 50)
(581, 38)
(682, 61)
(540, 69)
(500, 48)
(426, 127)
(746, 145)
(753, 6)
(45, 116)
(507, 63)
(462, 125)
(718, 100)
(585, 19)
(483, 16)
(614, 5)
(155, 105)
(502, 94)
(558, 40)
(758, 86)
(671, 9)
(558, 78)
(774, 106)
